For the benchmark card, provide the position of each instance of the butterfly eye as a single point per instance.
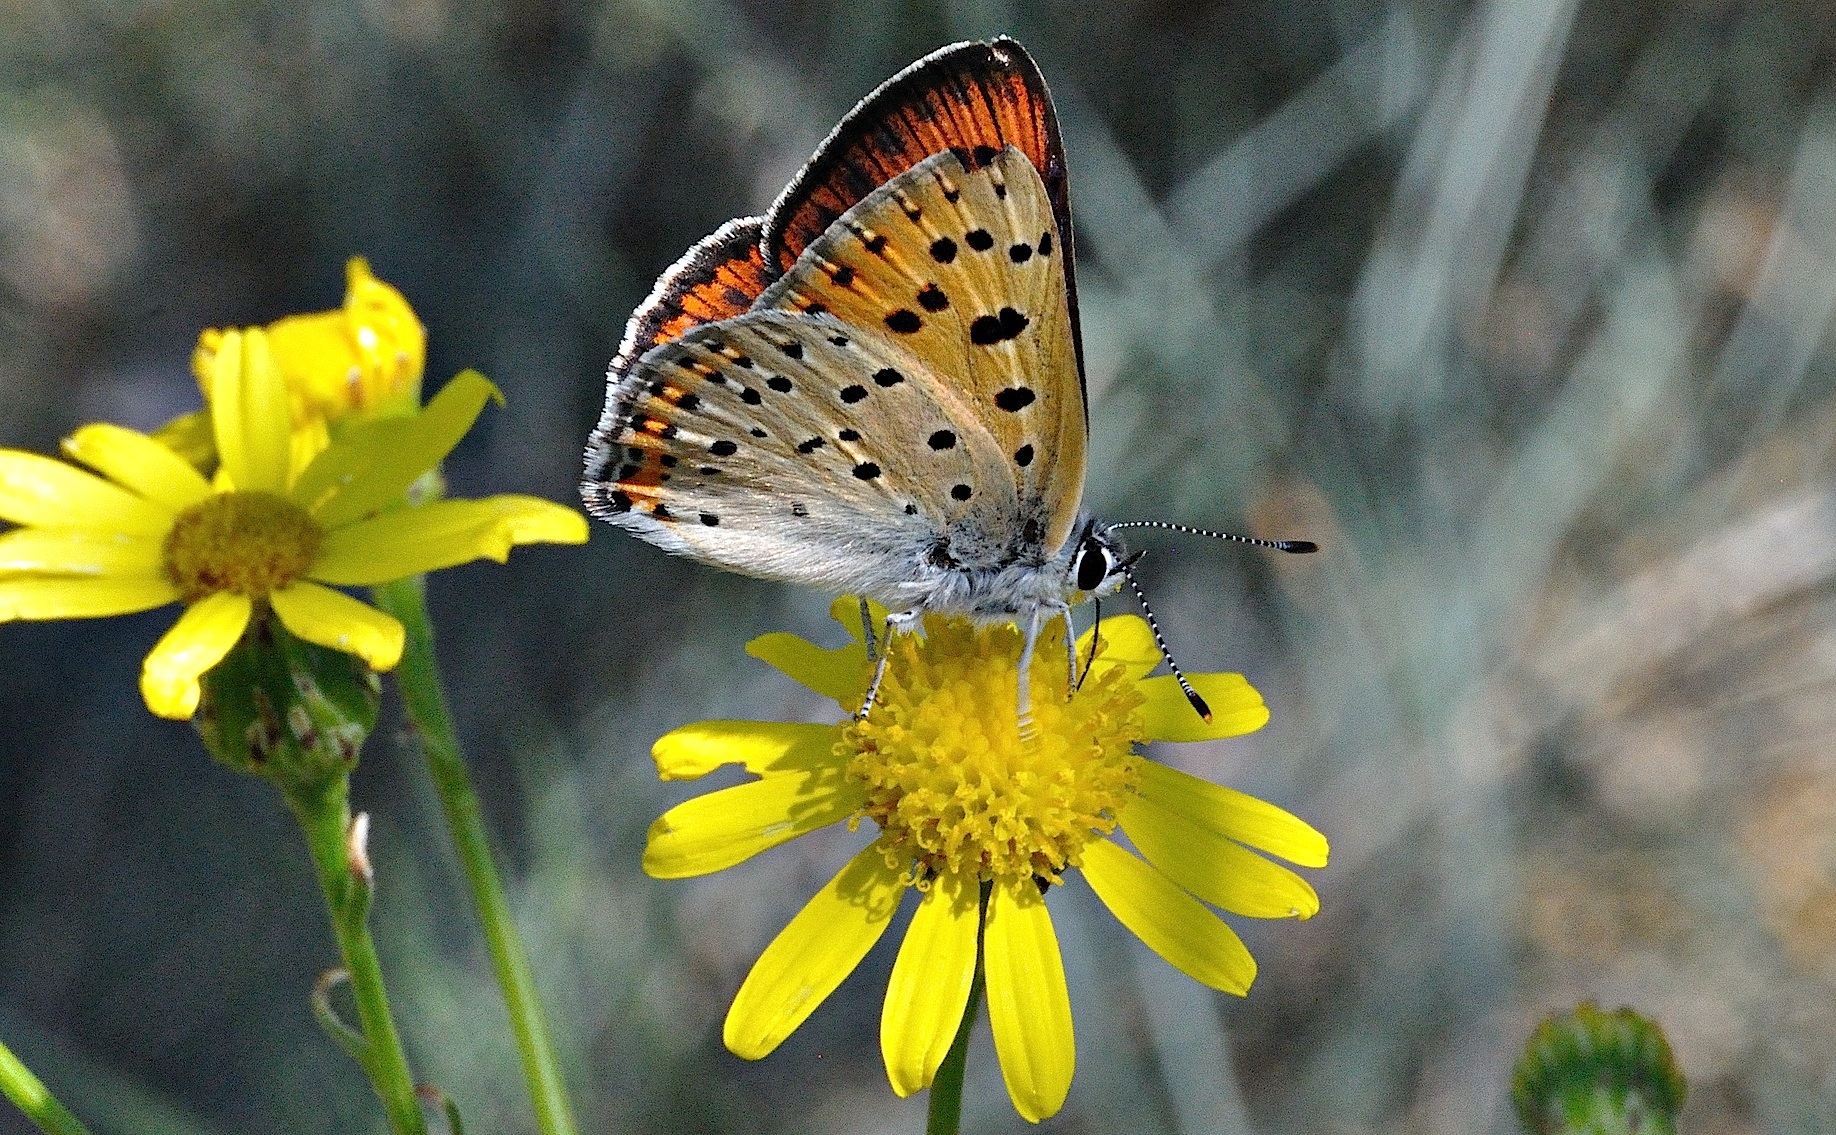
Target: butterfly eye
(1092, 565)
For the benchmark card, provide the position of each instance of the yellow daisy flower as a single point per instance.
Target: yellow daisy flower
(981, 823)
(151, 530)
(362, 360)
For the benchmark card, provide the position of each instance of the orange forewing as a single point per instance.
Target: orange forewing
(974, 98)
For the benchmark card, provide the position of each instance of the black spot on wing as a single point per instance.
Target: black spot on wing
(905, 321)
(987, 330)
(1014, 398)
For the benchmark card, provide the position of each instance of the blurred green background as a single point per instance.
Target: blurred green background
(1521, 309)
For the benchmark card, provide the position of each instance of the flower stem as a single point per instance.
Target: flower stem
(325, 818)
(946, 1111)
(425, 698)
(31, 1096)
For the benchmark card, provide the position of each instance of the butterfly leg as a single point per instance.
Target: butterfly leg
(1025, 683)
(905, 622)
(1096, 637)
(873, 647)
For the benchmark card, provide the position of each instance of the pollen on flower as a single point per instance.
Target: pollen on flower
(249, 543)
(951, 782)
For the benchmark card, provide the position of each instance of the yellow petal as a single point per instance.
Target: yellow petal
(1175, 925)
(1028, 1004)
(248, 408)
(840, 673)
(847, 611)
(1127, 643)
(199, 640)
(81, 551)
(135, 461)
(1236, 708)
(811, 956)
(42, 598)
(1238, 815)
(930, 982)
(335, 620)
(693, 751)
(1211, 866)
(372, 464)
(411, 541)
(713, 832)
(42, 491)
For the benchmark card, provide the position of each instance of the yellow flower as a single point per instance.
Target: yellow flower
(363, 360)
(981, 823)
(151, 530)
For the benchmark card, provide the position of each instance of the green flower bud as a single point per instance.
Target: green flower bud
(1589, 1072)
(286, 709)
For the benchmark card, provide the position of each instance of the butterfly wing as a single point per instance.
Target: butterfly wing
(964, 268)
(753, 444)
(974, 98)
(717, 279)
(958, 442)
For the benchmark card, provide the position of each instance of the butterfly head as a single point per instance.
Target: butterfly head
(1099, 563)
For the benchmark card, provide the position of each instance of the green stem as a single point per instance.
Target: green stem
(325, 818)
(31, 1096)
(419, 678)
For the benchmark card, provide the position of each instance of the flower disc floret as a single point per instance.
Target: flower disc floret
(952, 781)
(247, 543)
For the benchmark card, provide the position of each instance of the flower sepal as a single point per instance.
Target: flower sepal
(287, 710)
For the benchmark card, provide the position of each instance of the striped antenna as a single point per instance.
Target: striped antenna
(1295, 546)
(1192, 695)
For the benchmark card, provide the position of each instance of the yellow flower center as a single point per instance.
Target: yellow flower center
(250, 543)
(951, 782)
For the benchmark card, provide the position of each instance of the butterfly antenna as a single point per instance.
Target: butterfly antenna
(1192, 695)
(1296, 546)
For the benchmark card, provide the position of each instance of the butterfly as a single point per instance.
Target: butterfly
(877, 387)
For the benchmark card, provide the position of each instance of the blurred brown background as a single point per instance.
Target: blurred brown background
(1520, 308)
